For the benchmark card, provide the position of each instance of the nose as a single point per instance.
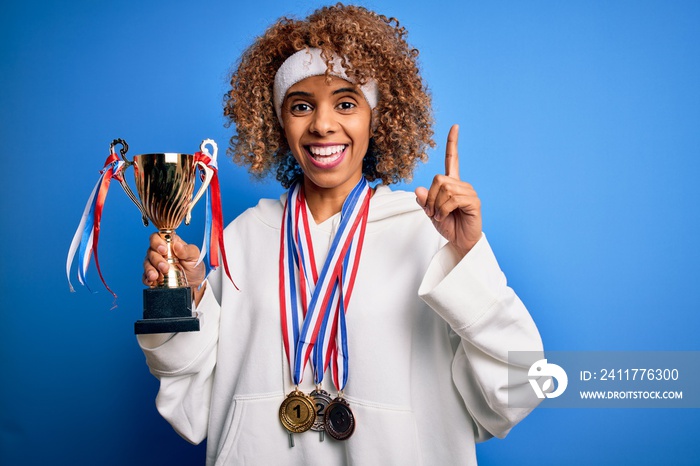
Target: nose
(323, 121)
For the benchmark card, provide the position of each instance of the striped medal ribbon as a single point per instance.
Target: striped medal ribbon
(312, 304)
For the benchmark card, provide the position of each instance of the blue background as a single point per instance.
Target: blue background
(579, 129)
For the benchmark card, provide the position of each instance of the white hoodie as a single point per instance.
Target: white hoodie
(429, 336)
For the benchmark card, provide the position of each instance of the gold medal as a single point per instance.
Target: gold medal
(297, 412)
(339, 421)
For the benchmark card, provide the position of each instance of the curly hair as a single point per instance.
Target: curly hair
(371, 46)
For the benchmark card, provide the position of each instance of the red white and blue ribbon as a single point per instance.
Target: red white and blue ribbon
(311, 304)
(332, 344)
(338, 352)
(87, 235)
(213, 243)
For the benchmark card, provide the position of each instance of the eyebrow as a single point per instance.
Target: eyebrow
(309, 94)
(346, 89)
(298, 93)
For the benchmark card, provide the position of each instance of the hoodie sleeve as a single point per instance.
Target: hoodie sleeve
(184, 363)
(473, 297)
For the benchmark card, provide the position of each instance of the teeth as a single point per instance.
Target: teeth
(326, 151)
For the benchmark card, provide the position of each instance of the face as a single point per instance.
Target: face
(327, 127)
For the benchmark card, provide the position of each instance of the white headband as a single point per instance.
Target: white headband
(306, 63)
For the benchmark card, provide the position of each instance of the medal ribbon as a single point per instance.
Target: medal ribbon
(333, 334)
(213, 243)
(305, 313)
(87, 235)
(338, 353)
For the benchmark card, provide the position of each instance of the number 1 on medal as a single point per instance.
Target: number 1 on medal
(297, 409)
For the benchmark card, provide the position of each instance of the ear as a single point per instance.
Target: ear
(373, 121)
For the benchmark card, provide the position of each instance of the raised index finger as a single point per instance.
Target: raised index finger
(451, 156)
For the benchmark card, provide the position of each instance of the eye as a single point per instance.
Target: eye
(346, 105)
(300, 108)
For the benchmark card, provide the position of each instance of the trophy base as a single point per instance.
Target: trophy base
(167, 310)
(172, 325)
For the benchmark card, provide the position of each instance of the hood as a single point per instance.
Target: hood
(384, 204)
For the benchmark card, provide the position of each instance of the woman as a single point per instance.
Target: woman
(389, 302)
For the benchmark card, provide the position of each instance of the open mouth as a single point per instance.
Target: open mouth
(326, 155)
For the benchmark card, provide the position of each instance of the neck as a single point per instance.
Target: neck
(325, 202)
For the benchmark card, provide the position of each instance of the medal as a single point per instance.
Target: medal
(297, 413)
(338, 420)
(313, 306)
(321, 400)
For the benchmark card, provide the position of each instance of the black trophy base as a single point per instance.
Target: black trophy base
(167, 310)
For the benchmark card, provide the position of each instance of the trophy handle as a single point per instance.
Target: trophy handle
(122, 180)
(208, 174)
(214, 147)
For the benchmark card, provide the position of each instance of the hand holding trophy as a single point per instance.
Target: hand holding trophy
(165, 184)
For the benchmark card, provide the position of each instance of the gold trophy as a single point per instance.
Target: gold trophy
(165, 183)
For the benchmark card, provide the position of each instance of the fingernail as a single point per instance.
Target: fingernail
(163, 267)
(162, 249)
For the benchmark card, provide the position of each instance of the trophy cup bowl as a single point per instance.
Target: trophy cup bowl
(165, 183)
